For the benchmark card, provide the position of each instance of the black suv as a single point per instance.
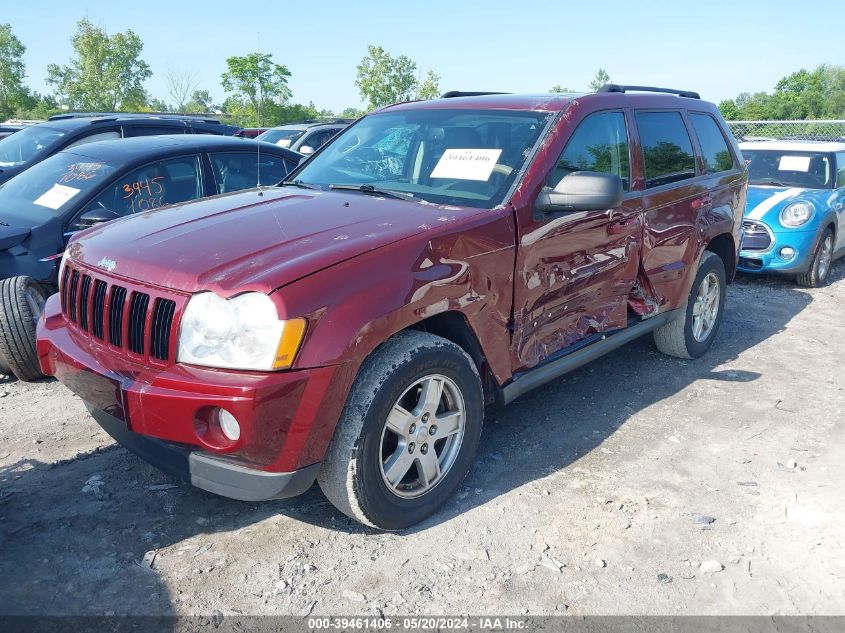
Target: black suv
(33, 144)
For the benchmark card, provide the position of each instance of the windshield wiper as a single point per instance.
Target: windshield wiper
(297, 183)
(374, 191)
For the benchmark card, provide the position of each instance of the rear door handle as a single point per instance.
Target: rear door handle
(700, 203)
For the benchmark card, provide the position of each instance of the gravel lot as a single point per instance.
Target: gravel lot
(639, 484)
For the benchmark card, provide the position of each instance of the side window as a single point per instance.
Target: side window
(234, 171)
(155, 130)
(152, 186)
(107, 135)
(600, 143)
(714, 149)
(840, 169)
(667, 149)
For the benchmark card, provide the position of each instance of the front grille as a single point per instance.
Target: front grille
(756, 236)
(138, 321)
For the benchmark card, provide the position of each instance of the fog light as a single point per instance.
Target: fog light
(786, 252)
(228, 424)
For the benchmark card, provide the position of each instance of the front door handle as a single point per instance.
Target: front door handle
(622, 226)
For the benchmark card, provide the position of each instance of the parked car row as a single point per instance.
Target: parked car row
(349, 325)
(72, 173)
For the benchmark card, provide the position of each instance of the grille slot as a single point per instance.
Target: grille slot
(161, 327)
(98, 309)
(137, 318)
(73, 295)
(84, 292)
(118, 299)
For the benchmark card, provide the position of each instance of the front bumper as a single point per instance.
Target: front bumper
(286, 418)
(769, 261)
(214, 474)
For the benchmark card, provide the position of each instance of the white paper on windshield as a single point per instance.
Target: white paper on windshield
(466, 164)
(794, 163)
(285, 142)
(56, 196)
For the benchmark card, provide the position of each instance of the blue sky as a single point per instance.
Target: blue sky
(718, 48)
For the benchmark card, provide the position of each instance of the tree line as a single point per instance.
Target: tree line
(106, 73)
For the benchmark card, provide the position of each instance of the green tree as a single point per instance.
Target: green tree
(107, 72)
(254, 80)
(600, 80)
(352, 113)
(429, 88)
(158, 105)
(559, 88)
(12, 72)
(729, 109)
(383, 79)
(200, 102)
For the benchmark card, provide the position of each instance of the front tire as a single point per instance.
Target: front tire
(692, 333)
(21, 304)
(819, 272)
(408, 433)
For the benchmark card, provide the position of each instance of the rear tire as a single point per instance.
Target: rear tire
(819, 272)
(408, 433)
(21, 303)
(691, 334)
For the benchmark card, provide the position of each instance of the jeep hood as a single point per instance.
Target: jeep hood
(250, 240)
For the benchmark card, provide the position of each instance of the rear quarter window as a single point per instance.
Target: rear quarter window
(714, 148)
(667, 148)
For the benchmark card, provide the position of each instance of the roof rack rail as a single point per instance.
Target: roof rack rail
(618, 88)
(458, 93)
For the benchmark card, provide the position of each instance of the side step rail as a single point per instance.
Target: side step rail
(526, 381)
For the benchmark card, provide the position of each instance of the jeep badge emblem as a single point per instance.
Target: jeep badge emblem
(108, 264)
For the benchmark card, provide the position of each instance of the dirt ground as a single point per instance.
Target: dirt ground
(639, 484)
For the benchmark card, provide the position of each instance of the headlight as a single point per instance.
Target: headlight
(239, 333)
(796, 214)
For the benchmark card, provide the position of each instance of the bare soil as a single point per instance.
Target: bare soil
(639, 484)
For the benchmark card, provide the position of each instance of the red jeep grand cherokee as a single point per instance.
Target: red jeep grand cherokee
(350, 326)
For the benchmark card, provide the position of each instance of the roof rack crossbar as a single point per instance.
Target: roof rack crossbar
(689, 94)
(459, 93)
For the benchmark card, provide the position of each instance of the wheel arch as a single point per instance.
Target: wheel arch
(724, 246)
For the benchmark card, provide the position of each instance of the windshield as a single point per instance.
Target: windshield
(782, 168)
(21, 147)
(282, 138)
(463, 157)
(51, 186)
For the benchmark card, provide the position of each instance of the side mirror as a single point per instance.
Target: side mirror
(306, 149)
(95, 216)
(582, 191)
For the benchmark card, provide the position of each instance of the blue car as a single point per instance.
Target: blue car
(795, 216)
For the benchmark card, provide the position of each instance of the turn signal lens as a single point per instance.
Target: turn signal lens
(292, 334)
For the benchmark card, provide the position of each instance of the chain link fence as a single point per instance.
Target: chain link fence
(818, 130)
